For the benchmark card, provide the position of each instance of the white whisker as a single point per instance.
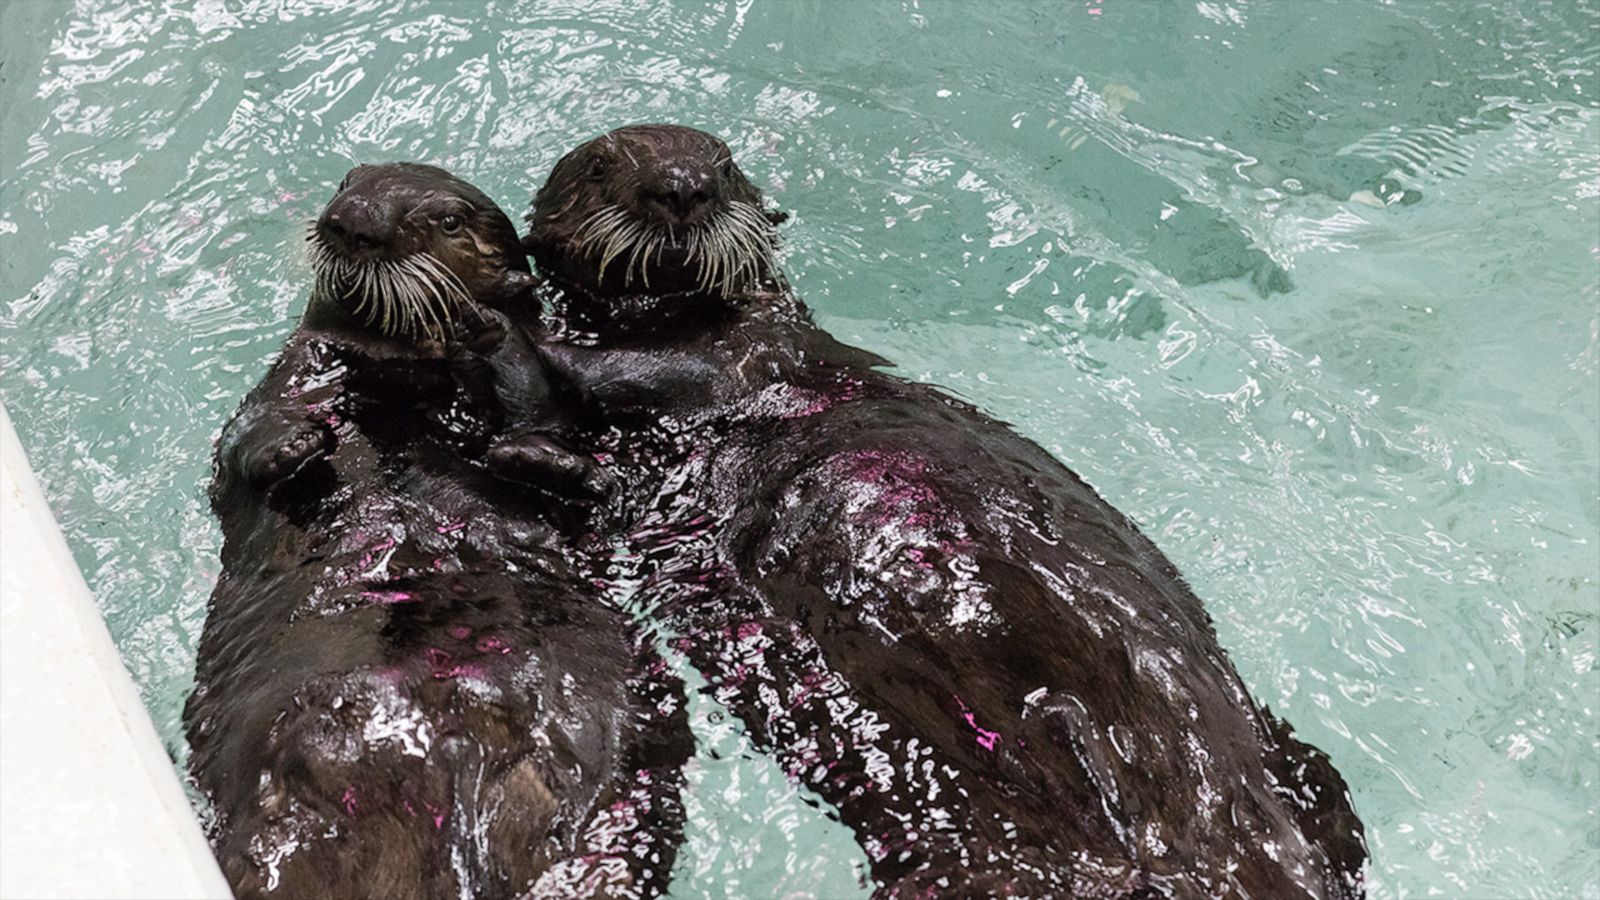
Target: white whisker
(417, 296)
(726, 255)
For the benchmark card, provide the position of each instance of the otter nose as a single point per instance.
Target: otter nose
(684, 192)
(357, 224)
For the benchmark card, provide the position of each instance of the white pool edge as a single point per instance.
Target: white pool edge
(90, 804)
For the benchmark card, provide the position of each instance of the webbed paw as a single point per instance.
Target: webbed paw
(541, 462)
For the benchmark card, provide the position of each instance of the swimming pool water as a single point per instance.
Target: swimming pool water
(1311, 290)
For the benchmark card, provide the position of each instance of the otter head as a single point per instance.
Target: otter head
(410, 250)
(653, 209)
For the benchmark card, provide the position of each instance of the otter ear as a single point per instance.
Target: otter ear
(513, 291)
(776, 216)
(516, 281)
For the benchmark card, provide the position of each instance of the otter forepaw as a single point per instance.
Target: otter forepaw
(479, 331)
(434, 348)
(474, 336)
(277, 460)
(484, 335)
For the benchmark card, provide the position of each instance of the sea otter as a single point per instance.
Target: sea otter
(996, 680)
(406, 686)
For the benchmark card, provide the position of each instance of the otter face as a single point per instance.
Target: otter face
(653, 208)
(408, 248)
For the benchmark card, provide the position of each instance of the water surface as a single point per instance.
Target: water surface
(1311, 290)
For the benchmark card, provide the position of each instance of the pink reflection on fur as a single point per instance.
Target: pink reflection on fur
(389, 598)
(986, 739)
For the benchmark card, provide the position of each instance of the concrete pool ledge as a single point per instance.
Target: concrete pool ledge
(90, 805)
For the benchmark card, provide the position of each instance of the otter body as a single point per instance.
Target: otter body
(406, 686)
(998, 682)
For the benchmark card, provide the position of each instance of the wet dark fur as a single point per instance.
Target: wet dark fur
(406, 688)
(991, 675)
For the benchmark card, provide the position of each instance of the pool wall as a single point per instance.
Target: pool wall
(90, 806)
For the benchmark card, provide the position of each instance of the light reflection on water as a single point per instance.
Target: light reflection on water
(1310, 290)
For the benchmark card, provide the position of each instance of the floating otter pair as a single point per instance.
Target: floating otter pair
(993, 677)
(407, 685)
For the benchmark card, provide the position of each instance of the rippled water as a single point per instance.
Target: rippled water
(1312, 290)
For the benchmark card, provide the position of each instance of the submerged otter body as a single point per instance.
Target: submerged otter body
(998, 682)
(406, 686)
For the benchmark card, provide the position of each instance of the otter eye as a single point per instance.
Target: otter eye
(597, 168)
(451, 224)
(727, 168)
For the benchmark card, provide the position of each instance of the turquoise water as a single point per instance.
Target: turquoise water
(1311, 290)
